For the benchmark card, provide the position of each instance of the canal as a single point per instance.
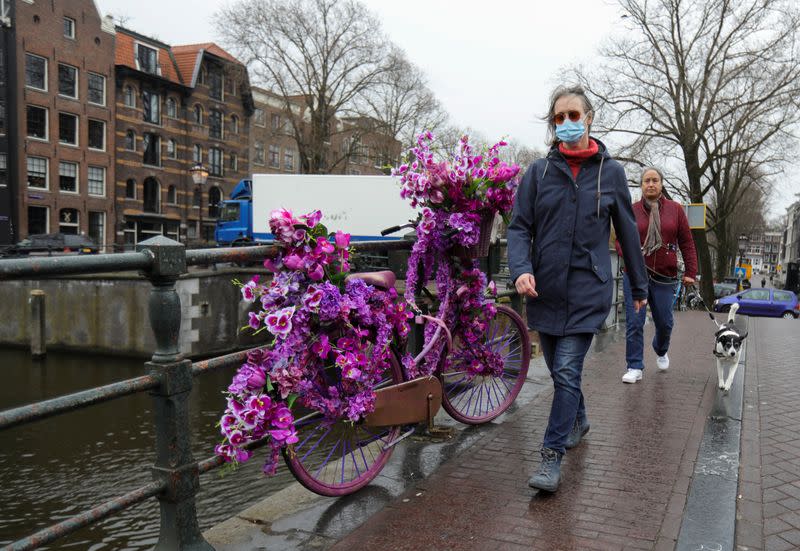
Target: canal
(57, 467)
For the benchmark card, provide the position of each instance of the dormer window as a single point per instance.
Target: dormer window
(147, 58)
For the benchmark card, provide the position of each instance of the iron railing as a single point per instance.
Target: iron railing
(169, 380)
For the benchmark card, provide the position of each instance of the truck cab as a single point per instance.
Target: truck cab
(235, 223)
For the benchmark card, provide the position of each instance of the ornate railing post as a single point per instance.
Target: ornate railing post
(174, 462)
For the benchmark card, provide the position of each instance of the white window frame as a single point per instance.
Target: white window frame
(88, 77)
(262, 124)
(256, 149)
(46, 173)
(76, 224)
(89, 181)
(77, 83)
(174, 114)
(290, 153)
(234, 162)
(174, 145)
(134, 188)
(72, 27)
(273, 148)
(156, 50)
(197, 153)
(125, 89)
(175, 192)
(46, 72)
(46, 123)
(77, 177)
(102, 244)
(77, 130)
(88, 126)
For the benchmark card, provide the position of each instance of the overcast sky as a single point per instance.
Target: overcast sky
(491, 64)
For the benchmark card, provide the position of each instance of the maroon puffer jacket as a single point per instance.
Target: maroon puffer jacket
(675, 234)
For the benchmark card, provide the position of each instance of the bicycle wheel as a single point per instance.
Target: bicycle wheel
(339, 457)
(477, 399)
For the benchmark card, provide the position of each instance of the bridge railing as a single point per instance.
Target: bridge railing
(168, 379)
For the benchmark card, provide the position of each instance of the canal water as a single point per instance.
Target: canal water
(60, 466)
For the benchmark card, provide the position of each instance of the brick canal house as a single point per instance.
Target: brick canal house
(177, 106)
(357, 146)
(56, 142)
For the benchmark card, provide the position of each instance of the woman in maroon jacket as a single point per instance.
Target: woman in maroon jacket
(663, 230)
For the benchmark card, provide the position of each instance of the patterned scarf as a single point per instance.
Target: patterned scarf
(652, 242)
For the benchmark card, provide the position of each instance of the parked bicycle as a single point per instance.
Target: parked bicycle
(339, 458)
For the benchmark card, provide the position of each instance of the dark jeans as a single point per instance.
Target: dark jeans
(660, 297)
(564, 357)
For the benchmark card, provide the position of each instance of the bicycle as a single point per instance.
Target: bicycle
(338, 457)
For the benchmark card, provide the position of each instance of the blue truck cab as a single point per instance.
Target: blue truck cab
(235, 224)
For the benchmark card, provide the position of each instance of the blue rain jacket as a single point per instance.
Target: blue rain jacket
(560, 231)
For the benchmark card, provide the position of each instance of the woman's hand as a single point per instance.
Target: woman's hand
(688, 280)
(526, 285)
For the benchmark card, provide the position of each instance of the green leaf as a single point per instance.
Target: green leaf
(268, 384)
(290, 400)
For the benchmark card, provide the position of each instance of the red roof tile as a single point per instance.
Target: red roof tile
(126, 55)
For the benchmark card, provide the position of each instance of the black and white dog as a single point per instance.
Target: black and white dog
(727, 349)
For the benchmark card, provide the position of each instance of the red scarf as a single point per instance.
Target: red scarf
(575, 157)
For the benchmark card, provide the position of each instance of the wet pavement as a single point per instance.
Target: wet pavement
(661, 462)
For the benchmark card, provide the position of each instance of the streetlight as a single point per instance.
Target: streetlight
(743, 239)
(199, 177)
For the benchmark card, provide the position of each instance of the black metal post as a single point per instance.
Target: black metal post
(174, 464)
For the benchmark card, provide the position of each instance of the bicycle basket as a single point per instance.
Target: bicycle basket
(481, 248)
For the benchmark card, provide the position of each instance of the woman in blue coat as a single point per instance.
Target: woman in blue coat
(558, 255)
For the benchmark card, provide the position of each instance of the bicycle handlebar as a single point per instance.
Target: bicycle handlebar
(394, 229)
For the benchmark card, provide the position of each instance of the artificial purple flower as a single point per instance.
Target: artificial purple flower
(280, 322)
(342, 239)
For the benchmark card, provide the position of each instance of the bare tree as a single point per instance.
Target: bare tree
(320, 56)
(402, 102)
(712, 85)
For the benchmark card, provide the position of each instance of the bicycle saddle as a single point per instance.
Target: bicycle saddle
(384, 279)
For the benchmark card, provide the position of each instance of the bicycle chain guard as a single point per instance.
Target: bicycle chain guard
(406, 403)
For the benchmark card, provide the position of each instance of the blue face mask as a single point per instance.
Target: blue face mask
(570, 132)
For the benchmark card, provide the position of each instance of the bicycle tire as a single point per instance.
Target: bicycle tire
(479, 399)
(339, 458)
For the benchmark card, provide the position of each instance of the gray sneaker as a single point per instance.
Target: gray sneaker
(549, 475)
(576, 434)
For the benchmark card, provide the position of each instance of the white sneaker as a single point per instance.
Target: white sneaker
(662, 362)
(632, 375)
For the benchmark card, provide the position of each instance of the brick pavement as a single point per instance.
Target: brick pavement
(625, 487)
(768, 508)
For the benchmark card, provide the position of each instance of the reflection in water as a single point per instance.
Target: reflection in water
(57, 467)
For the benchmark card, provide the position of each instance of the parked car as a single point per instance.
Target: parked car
(724, 289)
(774, 303)
(741, 284)
(52, 244)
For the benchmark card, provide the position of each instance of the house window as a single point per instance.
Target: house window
(130, 140)
(215, 84)
(233, 162)
(215, 124)
(97, 181)
(147, 58)
(198, 114)
(36, 121)
(288, 160)
(97, 135)
(152, 195)
(130, 189)
(276, 122)
(130, 97)
(172, 108)
(150, 107)
(68, 177)
(201, 78)
(38, 220)
(215, 161)
(258, 153)
(3, 170)
(171, 195)
(274, 156)
(230, 86)
(97, 89)
(172, 149)
(67, 81)
(260, 117)
(68, 128)
(37, 172)
(214, 199)
(68, 221)
(197, 154)
(151, 143)
(234, 124)
(97, 228)
(35, 72)
(69, 27)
